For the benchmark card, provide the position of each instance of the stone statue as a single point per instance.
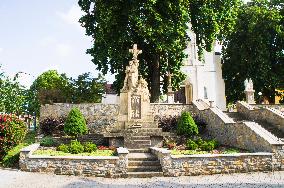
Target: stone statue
(248, 85)
(135, 51)
(131, 72)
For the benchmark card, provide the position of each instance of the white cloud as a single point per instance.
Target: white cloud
(72, 16)
(1, 50)
(63, 50)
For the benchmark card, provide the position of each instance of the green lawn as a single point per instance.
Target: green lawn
(50, 152)
(12, 157)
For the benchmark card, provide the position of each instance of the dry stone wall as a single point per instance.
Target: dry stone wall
(206, 164)
(101, 166)
(101, 116)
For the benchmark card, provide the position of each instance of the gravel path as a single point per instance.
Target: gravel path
(17, 179)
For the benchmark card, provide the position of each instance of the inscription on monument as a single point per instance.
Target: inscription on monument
(136, 107)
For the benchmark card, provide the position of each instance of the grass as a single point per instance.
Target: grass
(50, 152)
(11, 159)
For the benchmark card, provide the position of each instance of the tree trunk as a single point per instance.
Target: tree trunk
(155, 79)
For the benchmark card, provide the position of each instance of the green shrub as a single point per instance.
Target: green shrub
(50, 126)
(89, 147)
(208, 145)
(12, 132)
(47, 141)
(191, 145)
(76, 147)
(63, 147)
(75, 123)
(186, 125)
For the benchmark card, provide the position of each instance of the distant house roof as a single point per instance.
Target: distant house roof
(109, 89)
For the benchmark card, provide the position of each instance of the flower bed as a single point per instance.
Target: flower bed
(57, 162)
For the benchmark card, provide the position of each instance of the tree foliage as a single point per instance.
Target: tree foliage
(255, 50)
(87, 89)
(159, 27)
(52, 87)
(12, 95)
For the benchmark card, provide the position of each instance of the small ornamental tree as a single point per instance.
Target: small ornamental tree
(75, 123)
(12, 132)
(186, 125)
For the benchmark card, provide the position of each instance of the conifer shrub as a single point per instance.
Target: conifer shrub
(186, 125)
(75, 123)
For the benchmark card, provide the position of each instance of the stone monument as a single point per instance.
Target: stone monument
(136, 127)
(171, 93)
(249, 91)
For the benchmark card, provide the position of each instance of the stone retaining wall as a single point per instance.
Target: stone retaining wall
(100, 116)
(205, 164)
(101, 166)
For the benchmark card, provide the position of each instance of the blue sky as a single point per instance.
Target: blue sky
(38, 35)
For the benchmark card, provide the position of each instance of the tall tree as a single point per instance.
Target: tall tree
(50, 87)
(255, 50)
(87, 88)
(159, 27)
(12, 95)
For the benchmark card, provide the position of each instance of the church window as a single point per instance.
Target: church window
(205, 93)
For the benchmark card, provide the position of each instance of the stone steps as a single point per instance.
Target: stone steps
(145, 150)
(144, 168)
(144, 174)
(237, 117)
(143, 165)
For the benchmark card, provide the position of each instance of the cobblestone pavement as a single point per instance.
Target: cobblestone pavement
(17, 179)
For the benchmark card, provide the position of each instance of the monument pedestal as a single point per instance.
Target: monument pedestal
(250, 97)
(136, 128)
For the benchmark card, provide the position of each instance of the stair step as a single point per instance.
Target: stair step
(144, 174)
(146, 150)
(141, 157)
(144, 168)
(140, 137)
(142, 142)
(144, 163)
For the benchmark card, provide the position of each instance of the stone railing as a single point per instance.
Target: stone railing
(254, 113)
(279, 107)
(204, 164)
(101, 166)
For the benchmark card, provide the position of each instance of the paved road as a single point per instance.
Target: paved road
(18, 179)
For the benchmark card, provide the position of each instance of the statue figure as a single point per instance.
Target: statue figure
(246, 84)
(250, 85)
(131, 72)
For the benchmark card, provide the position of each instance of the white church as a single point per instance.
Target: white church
(204, 79)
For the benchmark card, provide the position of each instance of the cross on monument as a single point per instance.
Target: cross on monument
(135, 52)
